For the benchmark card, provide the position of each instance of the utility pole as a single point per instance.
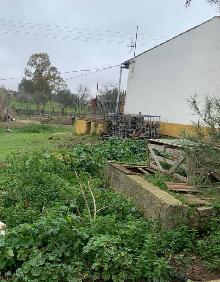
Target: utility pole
(119, 90)
(133, 46)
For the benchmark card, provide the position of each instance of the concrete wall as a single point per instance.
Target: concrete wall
(177, 130)
(163, 78)
(83, 127)
(152, 201)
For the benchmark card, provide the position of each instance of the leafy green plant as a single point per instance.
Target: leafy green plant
(64, 224)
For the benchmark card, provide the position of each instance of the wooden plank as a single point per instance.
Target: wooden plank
(155, 159)
(216, 175)
(195, 200)
(178, 162)
(179, 177)
(176, 183)
(186, 187)
(155, 167)
(150, 169)
(122, 168)
(176, 143)
(163, 148)
(206, 211)
(183, 190)
(166, 160)
(144, 171)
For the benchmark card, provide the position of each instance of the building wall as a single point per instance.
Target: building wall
(164, 78)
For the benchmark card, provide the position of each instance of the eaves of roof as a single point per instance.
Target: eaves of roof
(127, 63)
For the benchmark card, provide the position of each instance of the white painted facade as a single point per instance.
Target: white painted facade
(163, 78)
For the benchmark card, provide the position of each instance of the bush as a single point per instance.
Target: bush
(64, 248)
(64, 224)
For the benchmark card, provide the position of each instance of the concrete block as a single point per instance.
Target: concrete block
(101, 127)
(82, 127)
(153, 202)
(93, 127)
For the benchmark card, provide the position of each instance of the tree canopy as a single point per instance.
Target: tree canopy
(42, 80)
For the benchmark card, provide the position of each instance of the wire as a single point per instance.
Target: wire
(77, 30)
(41, 26)
(98, 70)
(90, 71)
(70, 30)
(30, 33)
(77, 38)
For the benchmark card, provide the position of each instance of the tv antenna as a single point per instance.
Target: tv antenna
(133, 43)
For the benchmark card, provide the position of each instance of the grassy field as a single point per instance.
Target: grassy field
(28, 137)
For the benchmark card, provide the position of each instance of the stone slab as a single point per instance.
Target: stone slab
(153, 202)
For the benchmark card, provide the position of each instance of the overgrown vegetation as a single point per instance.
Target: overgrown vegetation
(64, 224)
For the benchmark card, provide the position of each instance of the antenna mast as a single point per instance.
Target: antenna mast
(133, 46)
(135, 43)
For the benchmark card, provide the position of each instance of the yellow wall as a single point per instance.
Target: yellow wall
(83, 127)
(168, 129)
(176, 129)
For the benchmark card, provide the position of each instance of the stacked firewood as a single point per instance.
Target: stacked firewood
(134, 126)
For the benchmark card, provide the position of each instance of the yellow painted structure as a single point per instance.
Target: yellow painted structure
(93, 127)
(101, 127)
(82, 127)
(176, 129)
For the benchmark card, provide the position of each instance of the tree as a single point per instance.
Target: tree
(25, 91)
(4, 100)
(108, 97)
(209, 118)
(188, 2)
(83, 93)
(205, 158)
(66, 99)
(45, 79)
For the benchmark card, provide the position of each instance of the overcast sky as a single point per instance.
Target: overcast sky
(27, 27)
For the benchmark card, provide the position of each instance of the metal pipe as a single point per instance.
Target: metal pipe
(119, 90)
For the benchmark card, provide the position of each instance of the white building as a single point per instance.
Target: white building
(162, 79)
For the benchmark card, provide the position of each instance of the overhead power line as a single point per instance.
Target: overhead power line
(98, 70)
(62, 37)
(88, 72)
(76, 38)
(65, 32)
(67, 28)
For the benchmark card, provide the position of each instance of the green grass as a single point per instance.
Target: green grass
(34, 137)
(17, 143)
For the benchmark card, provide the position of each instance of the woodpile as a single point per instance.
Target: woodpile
(134, 126)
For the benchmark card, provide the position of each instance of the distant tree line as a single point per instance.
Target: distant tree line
(43, 83)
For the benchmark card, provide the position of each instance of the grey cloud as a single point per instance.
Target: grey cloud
(160, 18)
